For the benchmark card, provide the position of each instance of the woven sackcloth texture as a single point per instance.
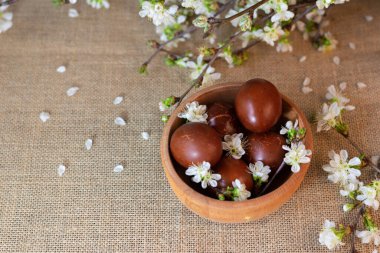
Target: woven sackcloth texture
(93, 209)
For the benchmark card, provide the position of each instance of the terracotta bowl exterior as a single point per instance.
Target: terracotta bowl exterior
(230, 211)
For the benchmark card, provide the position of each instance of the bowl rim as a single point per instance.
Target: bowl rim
(201, 199)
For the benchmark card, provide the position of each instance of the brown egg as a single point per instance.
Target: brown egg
(258, 105)
(222, 118)
(266, 147)
(195, 143)
(231, 169)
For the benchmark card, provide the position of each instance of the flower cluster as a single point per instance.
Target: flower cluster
(233, 145)
(202, 173)
(260, 172)
(331, 116)
(252, 21)
(194, 113)
(346, 172)
(297, 153)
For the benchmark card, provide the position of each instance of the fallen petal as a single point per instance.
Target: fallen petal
(118, 168)
(306, 89)
(118, 100)
(352, 45)
(361, 85)
(336, 60)
(88, 144)
(303, 58)
(306, 82)
(61, 69)
(71, 91)
(61, 170)
(120, 121)
(73, 13)
(145, 135)
(44, 116)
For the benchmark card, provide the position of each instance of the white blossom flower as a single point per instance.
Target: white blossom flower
(368, 236)
(284, 46)
(239, 191)
(194, 112)
(198, 69)
(328, 117)
(335, 95)
(202, 174)
(316, 16)
(289, 126)
(282, 13)
(260, 172)
(198, 6)
(369, 196)
(5, 19)
(302, 58)
(322, 4)
(297, 154)
(233, 144)
(97, 4)
(329, 236)
(342, 171)
(270, 34)
(158, 13)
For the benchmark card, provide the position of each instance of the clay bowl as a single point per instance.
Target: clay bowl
(230, 211)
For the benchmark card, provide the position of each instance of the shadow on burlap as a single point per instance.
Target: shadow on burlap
(93, 209)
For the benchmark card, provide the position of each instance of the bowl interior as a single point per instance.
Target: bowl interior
(227, 95)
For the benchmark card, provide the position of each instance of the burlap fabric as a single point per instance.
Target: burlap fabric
(93, 209)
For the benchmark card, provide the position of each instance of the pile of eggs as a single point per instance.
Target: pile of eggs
(253, 120)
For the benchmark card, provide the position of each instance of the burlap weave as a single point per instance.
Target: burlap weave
(93, 209)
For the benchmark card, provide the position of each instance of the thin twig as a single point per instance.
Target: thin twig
(249, 9)
(272, 179)
(353, 228)
(190, 29)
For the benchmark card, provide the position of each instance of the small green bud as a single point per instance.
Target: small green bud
(142, 69)
(202, 22)
(245, 23)
(153, 44)
(169, 61)
(348, 207)
(221, 197)
(368, 222)
(164, 118)
(342, 128)
(205, 51)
